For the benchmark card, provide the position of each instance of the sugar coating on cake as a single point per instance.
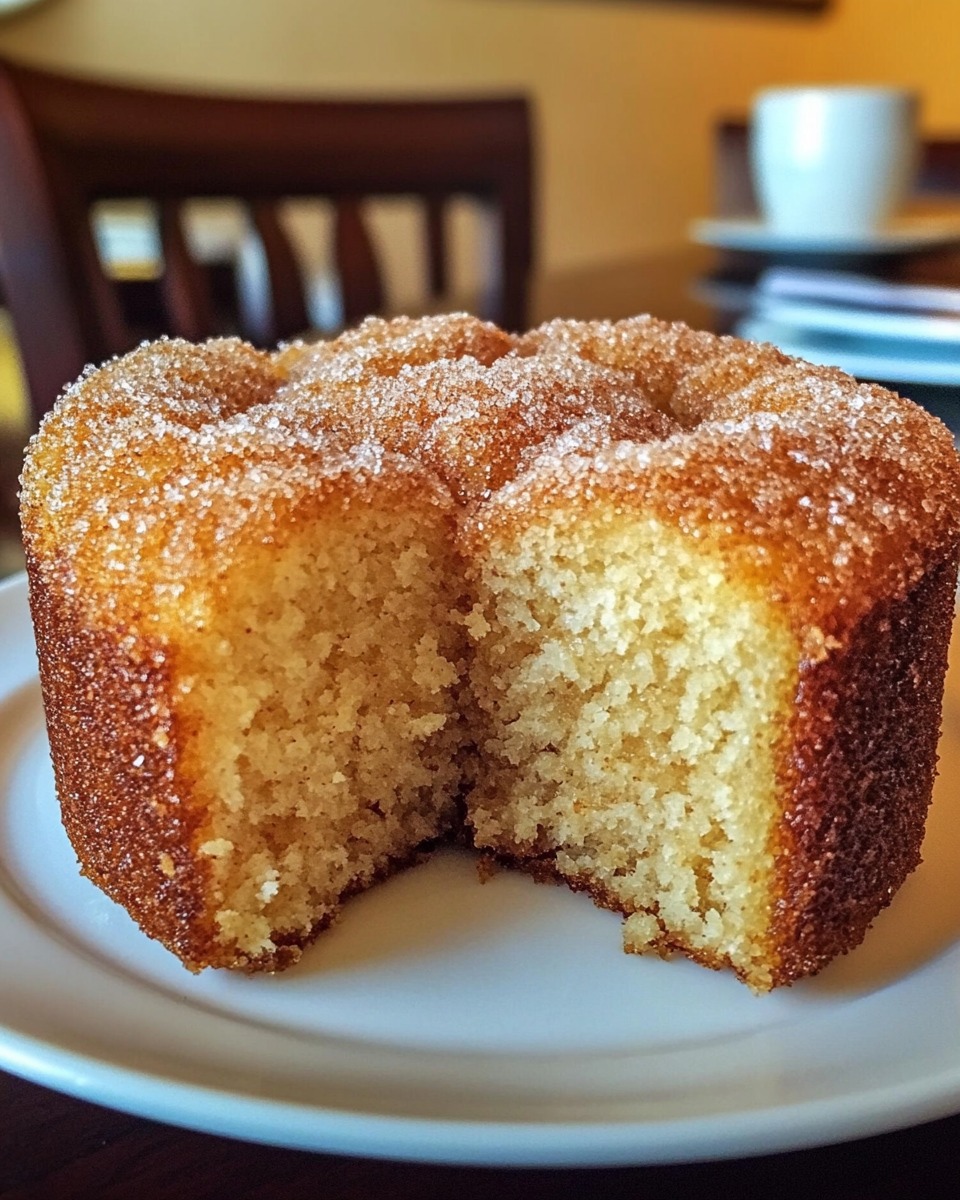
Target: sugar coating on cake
(660, 614)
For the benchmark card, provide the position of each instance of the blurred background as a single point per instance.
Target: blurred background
(626, 92)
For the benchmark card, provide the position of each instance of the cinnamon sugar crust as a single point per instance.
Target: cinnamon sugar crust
(665, 614)
(469, 422)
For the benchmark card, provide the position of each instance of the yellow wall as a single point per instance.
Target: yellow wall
(626, 91)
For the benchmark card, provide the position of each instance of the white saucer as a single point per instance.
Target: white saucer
(901, 236)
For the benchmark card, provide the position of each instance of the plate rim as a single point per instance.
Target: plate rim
(225, 1113)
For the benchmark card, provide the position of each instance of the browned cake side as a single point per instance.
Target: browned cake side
(858, 774)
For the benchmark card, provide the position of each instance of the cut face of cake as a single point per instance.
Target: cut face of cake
(634, 699)
(318, 707)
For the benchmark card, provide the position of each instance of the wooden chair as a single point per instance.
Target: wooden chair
(67, 144)
(938, 173)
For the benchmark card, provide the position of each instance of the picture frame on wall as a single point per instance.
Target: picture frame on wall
(799, 6)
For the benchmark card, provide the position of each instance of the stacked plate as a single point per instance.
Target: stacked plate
(871, 328)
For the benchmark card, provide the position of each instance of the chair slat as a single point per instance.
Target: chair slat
(286, 312)
(183, 283)
(361, 285)
(33, 268)
(438, 279)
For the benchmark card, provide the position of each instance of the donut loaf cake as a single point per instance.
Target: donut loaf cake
(658, 613)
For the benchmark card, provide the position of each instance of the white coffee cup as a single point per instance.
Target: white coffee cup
(832, 160)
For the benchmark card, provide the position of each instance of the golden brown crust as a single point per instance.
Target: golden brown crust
(653, 353)
(473, 423)
(381, 349)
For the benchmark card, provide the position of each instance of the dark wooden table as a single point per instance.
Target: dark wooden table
(52, 1145)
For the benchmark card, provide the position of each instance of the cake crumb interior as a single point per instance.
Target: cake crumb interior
(632, 694)
(326, 738)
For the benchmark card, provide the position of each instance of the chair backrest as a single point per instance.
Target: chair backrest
(938, 172)
(67, 144)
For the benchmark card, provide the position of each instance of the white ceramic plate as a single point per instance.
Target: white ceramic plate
(901, 236)
(445, 1020)
(889, 360)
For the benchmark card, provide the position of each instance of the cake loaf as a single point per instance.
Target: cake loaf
(657, 613)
